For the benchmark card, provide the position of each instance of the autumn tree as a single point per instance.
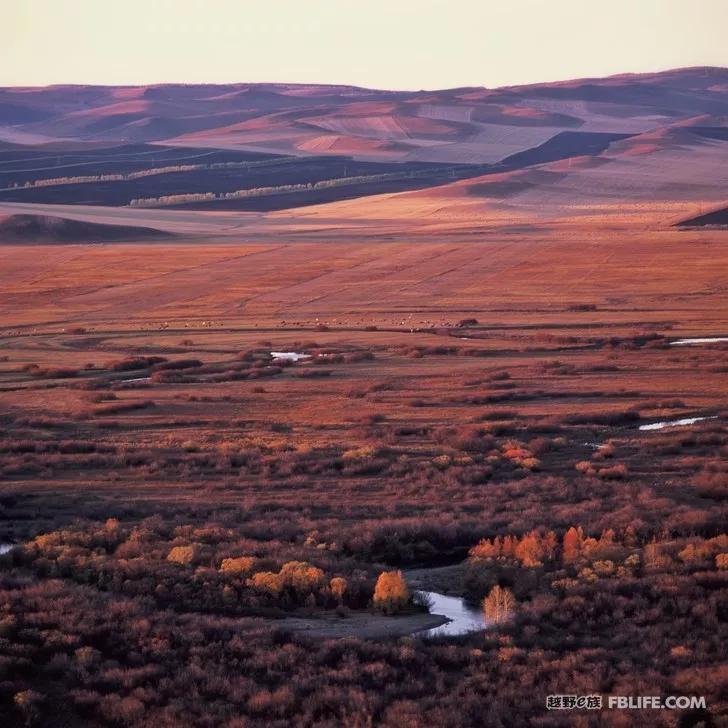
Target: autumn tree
(298, 580)
(239, 565)
(572, 544)
(184, 555)
(391, 592)
(654, 558)
(486, 549)
(529, 551)
(301, 576)
(499, 605)
(338, 586)
(266, 581)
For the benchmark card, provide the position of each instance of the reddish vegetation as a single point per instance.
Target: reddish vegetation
(476, 376)
(242, 491)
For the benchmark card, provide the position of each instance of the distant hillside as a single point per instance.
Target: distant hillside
(49, 229)
(463, 125)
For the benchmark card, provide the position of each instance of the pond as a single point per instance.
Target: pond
(289, 355)
(675, 423)
(5, 547)
(708, 340)
(463, 617)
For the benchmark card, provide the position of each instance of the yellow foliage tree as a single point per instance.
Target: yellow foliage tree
(301, 576)
(183, 555)
(238, 565)
(391, 592)
(266, 581)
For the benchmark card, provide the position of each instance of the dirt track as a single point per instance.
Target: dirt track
(367, 626)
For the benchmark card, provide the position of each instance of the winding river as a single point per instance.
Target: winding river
(462, 617)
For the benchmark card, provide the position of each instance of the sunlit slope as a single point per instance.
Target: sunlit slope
(452, 125)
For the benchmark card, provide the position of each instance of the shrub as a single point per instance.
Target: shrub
(585, 467)
(178, 364)
(29, 703)
(616, 472)
(53, 372)
(313, 373)
(134, 362)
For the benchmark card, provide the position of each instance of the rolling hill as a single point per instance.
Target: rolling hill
(21, 228)
(465, 125)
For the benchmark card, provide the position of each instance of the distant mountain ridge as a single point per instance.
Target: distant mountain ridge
(473, 125)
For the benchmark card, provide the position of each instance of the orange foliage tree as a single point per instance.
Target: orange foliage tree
(391, 592)
(531, 549)
(184, 555)
(238, 565)
(301, 576)
(573, 540)
(338, 586)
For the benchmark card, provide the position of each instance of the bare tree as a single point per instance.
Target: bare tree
(499, 605)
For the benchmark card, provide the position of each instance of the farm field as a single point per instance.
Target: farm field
(184, 178)
(156, 176)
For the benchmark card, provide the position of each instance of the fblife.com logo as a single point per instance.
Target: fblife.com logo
(625, 702)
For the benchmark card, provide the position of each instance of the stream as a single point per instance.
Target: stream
(463, 617)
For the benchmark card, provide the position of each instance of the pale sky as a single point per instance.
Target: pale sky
(396, 44)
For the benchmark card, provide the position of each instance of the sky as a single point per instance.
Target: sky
(393, 44)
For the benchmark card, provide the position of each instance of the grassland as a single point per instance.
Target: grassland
(453, 386)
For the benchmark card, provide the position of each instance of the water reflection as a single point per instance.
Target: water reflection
(463, 617)
(675, 423)
(702, 340)
(289, 355)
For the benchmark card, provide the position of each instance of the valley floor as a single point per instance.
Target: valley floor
(180, 496)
